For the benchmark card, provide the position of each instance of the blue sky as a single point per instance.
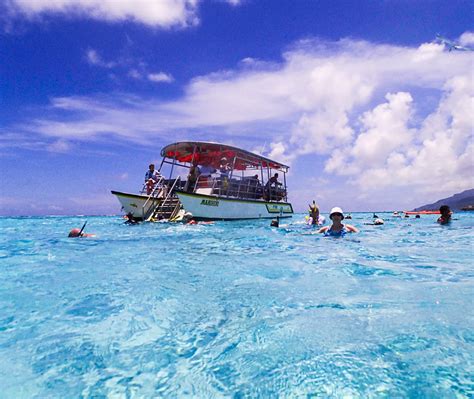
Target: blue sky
(368, 109)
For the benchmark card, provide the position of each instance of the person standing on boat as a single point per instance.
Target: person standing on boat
(224, 169)
(193, 175)
(337, 229)
(272, 187)
(205, 172)
(152, 177)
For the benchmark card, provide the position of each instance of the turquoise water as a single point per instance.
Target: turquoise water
(236, 309)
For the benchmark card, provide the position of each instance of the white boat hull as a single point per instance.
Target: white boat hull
(222, 208)
(138, 205)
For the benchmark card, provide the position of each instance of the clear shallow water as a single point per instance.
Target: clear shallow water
(236, 309)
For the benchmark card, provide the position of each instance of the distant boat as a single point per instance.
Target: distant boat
(421, 212)
(244, 190)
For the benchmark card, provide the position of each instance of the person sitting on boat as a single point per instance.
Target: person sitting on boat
(337, 229)
(446, 213)
(193, 175)
(152, 177)
(315, 219)
(255, 187)
(272, 187)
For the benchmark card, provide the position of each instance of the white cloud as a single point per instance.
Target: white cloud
(162, 13)
(94, 58)
(362, 107)
(436, 158)
(60, 146)
(160, 77)
(467, 39)
(135, 74)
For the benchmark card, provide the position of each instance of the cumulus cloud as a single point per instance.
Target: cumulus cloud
(435, 157)
(160, 13)
(467, 39)
(361, 107)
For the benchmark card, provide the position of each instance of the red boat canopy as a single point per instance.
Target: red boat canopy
(201, 153)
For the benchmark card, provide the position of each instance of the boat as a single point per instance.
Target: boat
(234, 184)
(421, 212)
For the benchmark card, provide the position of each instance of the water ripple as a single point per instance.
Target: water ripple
(236, 309)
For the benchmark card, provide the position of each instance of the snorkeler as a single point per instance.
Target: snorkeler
(130, 218)
(188, 219)
(275, 222)
(446, 213)
(314, 218)
(74, 233)
(337, 229)
(376, 222)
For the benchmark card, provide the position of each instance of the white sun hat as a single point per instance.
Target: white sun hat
(336, 209)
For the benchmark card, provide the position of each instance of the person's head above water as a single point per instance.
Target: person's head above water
(187, 216)
(313, 211)
(337, 228)
(336, 211)
(445, 210)
(75, 233)
(445, 217)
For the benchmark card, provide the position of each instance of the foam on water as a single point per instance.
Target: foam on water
(236, 309)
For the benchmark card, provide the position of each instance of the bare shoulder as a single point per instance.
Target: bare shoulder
(351, 228)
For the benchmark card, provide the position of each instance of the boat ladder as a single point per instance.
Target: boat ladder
(168, 207)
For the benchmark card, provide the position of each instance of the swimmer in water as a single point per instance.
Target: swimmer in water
(75, 233)
(130, 219)
(446, 213)
(188, 219)
(337, 229)
(315, 219)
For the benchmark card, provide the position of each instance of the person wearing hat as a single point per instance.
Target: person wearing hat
(315, 219)
(337, 229)
(188, 219)
(224, 169)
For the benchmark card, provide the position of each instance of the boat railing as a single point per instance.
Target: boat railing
(245, 187)
(162, 204)
(158, 191)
